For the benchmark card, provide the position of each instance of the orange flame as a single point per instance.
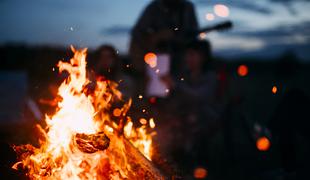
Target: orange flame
(79, 111)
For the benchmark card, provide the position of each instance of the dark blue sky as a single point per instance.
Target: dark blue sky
(264, 27)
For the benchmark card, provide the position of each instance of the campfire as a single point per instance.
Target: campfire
(85, 138)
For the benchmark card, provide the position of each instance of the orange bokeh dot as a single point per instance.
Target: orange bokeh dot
(200, 173)
(263, 143)
(274, 89)
(143, 121)
(243, 70)
(117, 112)
(150, 59)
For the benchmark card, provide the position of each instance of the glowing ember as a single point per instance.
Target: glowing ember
(274, 89)
(243, 70)
(151, 59)
(200, 173)
(82, 140)
(143, 121)
(117, 112)
(152, 123)
(263, 144)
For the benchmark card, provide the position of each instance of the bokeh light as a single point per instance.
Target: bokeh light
(263, 143)
(202, 36)
(200, 173)
(151, 59)
(117, 112)
(143, 121)
(209, 16)
(274, 89)
(243, 70)
(221, 10)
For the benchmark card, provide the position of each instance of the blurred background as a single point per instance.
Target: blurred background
(255, 128)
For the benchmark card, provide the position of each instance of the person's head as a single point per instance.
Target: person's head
(107, 57)
(172, 3)
(198, 55)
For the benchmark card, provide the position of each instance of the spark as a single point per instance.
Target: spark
(152, 123)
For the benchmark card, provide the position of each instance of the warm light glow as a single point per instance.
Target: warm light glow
(60, 156)
(221, 10)
(152, 123)
(263, 144)
(274, 89)
(151, 59)
(209, 16)
(117, 112)
(200, 173)
(143, 121)
(143, 141)
(243, 70)
(202, 36)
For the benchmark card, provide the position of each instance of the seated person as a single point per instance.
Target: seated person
(193, 100)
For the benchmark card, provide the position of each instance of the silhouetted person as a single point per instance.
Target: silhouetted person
(162, 22)
(109, 65)
(194, 98)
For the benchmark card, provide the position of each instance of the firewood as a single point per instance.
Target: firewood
(91, 143)
(140, 166)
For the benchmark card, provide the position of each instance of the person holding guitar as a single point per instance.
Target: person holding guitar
(162, 23)
(165, 27)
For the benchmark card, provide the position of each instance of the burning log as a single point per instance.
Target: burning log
(140, 166)
(91, 143)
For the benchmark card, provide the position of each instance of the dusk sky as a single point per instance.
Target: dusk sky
(261, 27)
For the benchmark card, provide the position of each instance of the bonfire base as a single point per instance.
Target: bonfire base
(141, 167)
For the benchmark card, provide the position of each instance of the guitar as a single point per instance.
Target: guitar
(138, 49)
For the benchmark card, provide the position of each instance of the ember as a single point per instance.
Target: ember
(81, 141)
